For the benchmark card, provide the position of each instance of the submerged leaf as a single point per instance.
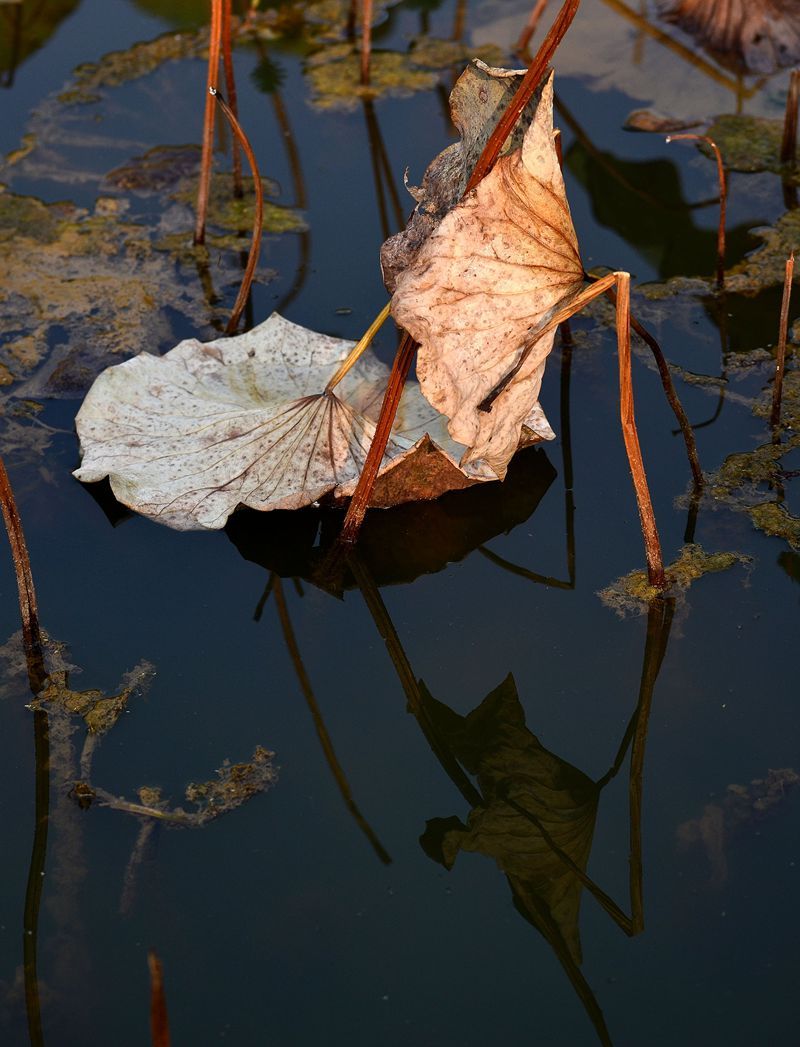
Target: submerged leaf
(493, 270)
(188, 437)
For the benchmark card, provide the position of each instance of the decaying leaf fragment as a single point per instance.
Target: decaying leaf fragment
(484, 282)
(187, 437)
(758, 35)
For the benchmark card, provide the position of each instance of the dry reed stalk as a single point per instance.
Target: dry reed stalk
(159, 1025)
(526, 35)
(366, 40)
(780, 363)
(405, 352)
(655, 564)
(230, 89)
(789, 142)
(204, 185)
(258, 217)
(22, 568)
(723, 199)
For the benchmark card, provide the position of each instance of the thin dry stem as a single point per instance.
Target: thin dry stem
(655, 564)
(723, 199)
(159, 1025)
(366, 40)
(672, 397)
(525, 91)
(26, 592)
(780, 363)
(526, 35)
(361, 346)
(204, 185)
(407, 348)
(258, 216)
(655, 567)
(230, 88)
(789, 142)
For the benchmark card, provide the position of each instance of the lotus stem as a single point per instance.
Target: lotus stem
(359, 348)
(159, 1025)
(789, 142)
(230, 88)
(258, 216)
(723, 199)
(780, 363)
(525, 36)
(525, 91)
(204, 185)
(26, 592)
(366, 41)
(391, 401)
(655, 563)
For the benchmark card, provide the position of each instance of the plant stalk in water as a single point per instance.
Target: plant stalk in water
(780, 363)
(159, 1025)
(230, 88)
(204, 185)
(723, 199)
(258, 216)
(789, 142)
(366, 40)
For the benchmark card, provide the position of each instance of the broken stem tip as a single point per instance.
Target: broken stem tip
(723, 198)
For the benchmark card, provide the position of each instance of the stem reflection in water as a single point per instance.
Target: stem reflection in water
(531, 811)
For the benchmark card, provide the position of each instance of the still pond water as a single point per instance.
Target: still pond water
(379, 890)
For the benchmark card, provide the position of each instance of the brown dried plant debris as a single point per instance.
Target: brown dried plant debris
(493, 271)
(477, 102)
(753, 35)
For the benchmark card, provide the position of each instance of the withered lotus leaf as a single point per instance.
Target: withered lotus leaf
(487, 277)
(187, 437)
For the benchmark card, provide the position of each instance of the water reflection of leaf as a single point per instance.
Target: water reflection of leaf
(535, 807)
(24, 28)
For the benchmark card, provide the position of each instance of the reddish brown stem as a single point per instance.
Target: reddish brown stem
(230, 88)
(391, 401)
(26, 592)
(723, 199)
(652, 545)
(366, 40)
(789, 142)
(258, 216)
(525, 91)
(407, 348)
(159, 1025)
(672, 396)
(780, 363)
(526, 35)
(204, 185)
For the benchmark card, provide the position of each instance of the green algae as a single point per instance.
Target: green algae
(774, 519)
(335, 77)
(230, 214)
(750, 144)
(766, 266)
(632, 594)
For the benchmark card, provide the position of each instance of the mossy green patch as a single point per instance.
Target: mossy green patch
(774, 519)
(766, 266)
(750, 143)
(632, 594)
(335, 77)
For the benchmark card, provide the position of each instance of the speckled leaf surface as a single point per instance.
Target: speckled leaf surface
(493, 270)
(188, 437)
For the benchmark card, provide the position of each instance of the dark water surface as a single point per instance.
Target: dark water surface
(300, 918)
